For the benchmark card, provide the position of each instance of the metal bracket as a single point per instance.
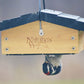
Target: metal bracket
(41, 33)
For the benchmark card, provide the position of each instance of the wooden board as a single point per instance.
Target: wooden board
(81, 41)
(25, 39)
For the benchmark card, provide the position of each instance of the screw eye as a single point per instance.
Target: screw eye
(41, 32)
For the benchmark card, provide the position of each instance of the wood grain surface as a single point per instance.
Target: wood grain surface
(25, 39)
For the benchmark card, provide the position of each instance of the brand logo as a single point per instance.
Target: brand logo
(36, 41)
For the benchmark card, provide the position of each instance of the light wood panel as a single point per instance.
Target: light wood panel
(25, 39)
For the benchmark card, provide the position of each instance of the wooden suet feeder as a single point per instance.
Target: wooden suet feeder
(45, 32)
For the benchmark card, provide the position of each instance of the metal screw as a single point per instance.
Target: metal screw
(7, 49)
(6, 38)
(73, 38)
(73, 48)
(41, 34)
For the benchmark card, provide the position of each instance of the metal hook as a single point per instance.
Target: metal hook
(41, 33)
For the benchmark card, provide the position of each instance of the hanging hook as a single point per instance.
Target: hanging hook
(41, 33)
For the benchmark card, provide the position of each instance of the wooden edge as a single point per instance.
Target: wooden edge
(81, 41)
